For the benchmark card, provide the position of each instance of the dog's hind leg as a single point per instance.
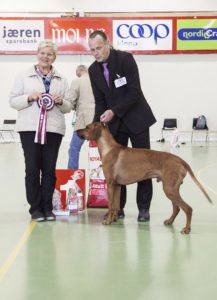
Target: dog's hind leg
(176, 210)
(174, 195)
(188, 211)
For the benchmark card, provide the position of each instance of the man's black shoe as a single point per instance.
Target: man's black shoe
(121, 214)
(144, 215)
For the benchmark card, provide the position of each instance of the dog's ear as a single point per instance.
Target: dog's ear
(104, 124)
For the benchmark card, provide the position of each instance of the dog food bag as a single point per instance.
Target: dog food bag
(69, 193)
(97, 194)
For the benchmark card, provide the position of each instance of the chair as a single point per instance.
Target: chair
(8, 128)
(195, 130)
(168, 125)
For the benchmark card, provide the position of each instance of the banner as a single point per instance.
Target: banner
(139, 35)
(197, 34)
(20, 36)
(71, 35)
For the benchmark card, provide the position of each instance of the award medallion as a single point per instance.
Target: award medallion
(45, 103)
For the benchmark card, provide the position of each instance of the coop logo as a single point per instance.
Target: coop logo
(192, 34)
(143, 31)
(20, 35)
(143, 34)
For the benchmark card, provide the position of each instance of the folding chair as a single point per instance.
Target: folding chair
(168, 125)
(8, 129)
(195, 130)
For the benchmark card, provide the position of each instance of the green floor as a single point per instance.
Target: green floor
(78, 258)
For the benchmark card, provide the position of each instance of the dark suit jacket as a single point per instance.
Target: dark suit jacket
(127, 102)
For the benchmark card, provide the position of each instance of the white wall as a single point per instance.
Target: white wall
(181, 86)
(108, 6)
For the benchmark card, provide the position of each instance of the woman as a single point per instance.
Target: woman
(41, 97)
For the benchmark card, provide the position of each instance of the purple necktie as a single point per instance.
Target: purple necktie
(106, 72)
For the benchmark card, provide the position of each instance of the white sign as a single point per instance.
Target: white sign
(140, 35)
(20, 35)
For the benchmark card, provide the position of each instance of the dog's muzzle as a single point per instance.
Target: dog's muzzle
(80, 133)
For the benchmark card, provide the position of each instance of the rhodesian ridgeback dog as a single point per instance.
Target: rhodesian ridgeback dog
(124, 165)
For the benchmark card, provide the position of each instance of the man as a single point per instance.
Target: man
(120, 103)
(84, 105)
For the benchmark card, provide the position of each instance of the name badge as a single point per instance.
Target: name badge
(120, 82)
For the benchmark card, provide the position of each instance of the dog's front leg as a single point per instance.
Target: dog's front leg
(116, 198)
(112, 213)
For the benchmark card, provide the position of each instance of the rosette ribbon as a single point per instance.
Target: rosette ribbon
(45, 103)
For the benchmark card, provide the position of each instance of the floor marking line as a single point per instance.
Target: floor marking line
(11, 258)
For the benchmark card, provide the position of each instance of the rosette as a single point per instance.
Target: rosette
(46, 100)
(45, 103)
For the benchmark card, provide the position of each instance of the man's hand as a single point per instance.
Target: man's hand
(107, 116)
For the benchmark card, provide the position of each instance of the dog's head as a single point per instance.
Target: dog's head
(91, 132)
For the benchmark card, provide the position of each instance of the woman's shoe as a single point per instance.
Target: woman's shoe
(50, 216)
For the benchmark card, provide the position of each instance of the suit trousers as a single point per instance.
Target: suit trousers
(40, 163)
(144, 188)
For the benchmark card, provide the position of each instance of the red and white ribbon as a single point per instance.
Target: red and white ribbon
(45, 103)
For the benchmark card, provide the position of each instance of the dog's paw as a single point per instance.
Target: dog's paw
(168, 222)
(109, 220)
(106, 222)
(186, 230)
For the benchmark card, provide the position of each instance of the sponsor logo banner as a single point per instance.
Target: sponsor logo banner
(199, 34)
(71, 35)
(142, 34)
(20, 35)
(167, 35)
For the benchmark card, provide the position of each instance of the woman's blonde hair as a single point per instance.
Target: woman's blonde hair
(48, 43)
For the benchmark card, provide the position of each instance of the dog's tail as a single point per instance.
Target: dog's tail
(191, 173)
